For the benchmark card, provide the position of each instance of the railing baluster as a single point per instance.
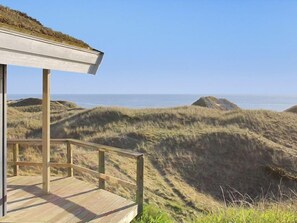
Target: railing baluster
(70, 159)
(101, 169)
(139, 183)
(15, 159)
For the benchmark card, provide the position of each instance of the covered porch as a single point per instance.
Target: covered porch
(45, 198)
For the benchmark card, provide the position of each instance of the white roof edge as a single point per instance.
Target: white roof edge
(26, 50)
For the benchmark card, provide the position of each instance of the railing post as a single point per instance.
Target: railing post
(101, 168)
(69, 159)
(139, 183)
(15, 159)
(46, 171)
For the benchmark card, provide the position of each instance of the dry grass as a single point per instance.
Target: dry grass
(192, 154)
(21, 22)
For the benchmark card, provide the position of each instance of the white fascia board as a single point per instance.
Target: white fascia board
(25, 50)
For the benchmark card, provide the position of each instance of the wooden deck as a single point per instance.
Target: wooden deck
(70, 200)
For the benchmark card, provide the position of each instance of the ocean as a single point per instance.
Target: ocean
(275, 103)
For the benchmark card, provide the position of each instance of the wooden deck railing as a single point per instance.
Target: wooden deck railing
(100, 174)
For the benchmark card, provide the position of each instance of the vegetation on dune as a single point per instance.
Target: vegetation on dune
(28, 102)
(21, 22)
(216, 103)
(234, 214)
(153, 214)
(25, 120)
(250, 215)
(197, 160)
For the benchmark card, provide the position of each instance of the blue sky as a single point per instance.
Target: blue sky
(172, 46)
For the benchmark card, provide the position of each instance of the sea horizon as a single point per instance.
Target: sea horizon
(244, 101)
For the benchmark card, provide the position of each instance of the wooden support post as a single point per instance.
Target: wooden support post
(46, 131)
(101, 168)
(3, 140)
(69, 159)
(139, 183)
(15, 159)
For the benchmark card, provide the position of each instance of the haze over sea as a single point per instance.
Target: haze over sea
(275, 103)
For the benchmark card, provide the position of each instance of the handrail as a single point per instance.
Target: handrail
(100, 174)
(100, 147)
(34, 141)
(104, 148)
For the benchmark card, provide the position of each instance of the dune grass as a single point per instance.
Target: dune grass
(153, 214)
(235, 214)
(243, 215)
(191, 153)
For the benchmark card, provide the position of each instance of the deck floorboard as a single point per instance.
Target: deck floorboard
(70, 200)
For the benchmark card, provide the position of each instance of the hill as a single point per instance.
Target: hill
(216, 103)
(196, 159)
(292, 109)
(25, 115)
(36, 101)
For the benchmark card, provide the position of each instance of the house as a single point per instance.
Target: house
(25, 42)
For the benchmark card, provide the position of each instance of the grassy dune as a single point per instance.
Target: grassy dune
(197, 160)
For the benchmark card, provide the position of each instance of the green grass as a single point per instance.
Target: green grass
(243, 215)
(153, 214)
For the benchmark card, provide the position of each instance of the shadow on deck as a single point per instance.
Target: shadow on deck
(70, 200)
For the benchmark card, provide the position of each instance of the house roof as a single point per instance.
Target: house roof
(26, 42)
(21, 22)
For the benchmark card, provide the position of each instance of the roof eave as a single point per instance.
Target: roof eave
(25, 50)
